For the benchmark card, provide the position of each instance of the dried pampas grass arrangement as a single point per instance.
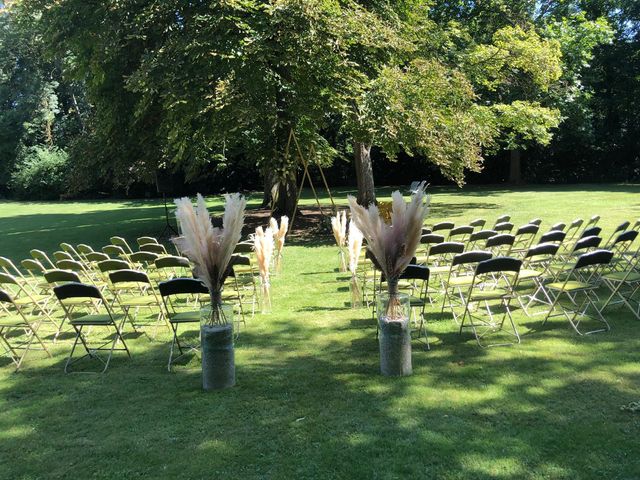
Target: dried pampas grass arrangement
(393, 244)
(355, 245)
(263, 246)
(279, 234)
(209, 248)
(339, 227)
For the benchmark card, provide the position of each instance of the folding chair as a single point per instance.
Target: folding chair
(535, 268)
(26, 298)
(479, 238)
(535, 221)
(35, 275)
(172, 267)
(524, 238)
(504, 227)
(501, 219)
(425, 231)
(59, 277)
(107, 320)
(442, 226)
(60, 255)
(590, 232)
(145, 240)
(581, 281)
(620, 228)
(492, 282)
(8, 267)
(500, 245)
(438, 259)
(624, 285)
(426, 241)
(244, 284)
(553, 236)
(42, 257)
(478, 223)
(558, 227)
(571, 233)
(133, 290)
(460, 234)
(621, 246)
(83, 249)
(459, 277)
(169, 291)
(17, 330)
(145, 261)
(156, 248)
(122, 243)
(76, 267)
(115, 252)
(67, 247)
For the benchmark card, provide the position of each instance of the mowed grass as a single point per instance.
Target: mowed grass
(309, 402)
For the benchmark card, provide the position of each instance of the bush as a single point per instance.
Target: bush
(40, 174)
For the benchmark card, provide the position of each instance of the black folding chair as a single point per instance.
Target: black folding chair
(491, 286)
(170, 291)
(624, 284)
(500, 245)
(524, 237)
(619, 229)
(107, 320)
(578, 287)
(479, 238)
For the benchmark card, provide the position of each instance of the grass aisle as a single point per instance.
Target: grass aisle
(309, 402)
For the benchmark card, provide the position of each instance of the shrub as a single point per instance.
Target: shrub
(40, 174)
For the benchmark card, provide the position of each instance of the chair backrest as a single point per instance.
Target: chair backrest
(535, 221)
(498, 264)
(502, 219)
(156, 248)
(461, 231)
(471, 257)
(145, 240)
(542, 249)
(478, 223)
(32, 266)
(446, 248)
(425, 231)
(504, 227)
(237, 259)
(41, 257)
(144, 257)
(500, 240)
(628, 236)
(415, 272)
(598, 257)
(553, 236)
(592, 221)
(482, 235)
(591, 232)
(67, 247)
(6, 279)
(96, 256)
(121, 242)
(182, 286)
(61, 276)
(572, 229)
(128, 276)
(172, 262)
(443, 226)
(85, 249)
(76, 290)
(70, 265)
(431, 238)
(8, 266)
(111, 265)
(558, 227)
(243, 247)
(587, 242)
(529, 229)
(622, 227)
(5, 297)
(113, 251)
(60, 255)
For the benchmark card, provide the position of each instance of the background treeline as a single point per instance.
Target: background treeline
(137, 97)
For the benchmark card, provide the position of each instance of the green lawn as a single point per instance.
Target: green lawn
(309, 402)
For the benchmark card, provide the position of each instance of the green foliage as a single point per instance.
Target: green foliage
(41, 173)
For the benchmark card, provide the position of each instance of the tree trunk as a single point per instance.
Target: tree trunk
(269, 184)
(287, 195)
(515, 167)
(364, 174)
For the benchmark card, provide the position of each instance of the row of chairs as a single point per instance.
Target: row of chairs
(496, 274)
(126, 285)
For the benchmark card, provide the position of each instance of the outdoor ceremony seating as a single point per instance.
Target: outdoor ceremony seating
(112, 323)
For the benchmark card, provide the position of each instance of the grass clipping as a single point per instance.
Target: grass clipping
(209, 248)
(393, 244)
